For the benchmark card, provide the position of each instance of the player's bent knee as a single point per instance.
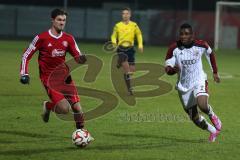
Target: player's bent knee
(62, 107)
(65, 110)
(76, 107)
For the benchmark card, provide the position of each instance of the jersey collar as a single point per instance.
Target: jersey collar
(127, 23)
(182, 46)
(56, 37)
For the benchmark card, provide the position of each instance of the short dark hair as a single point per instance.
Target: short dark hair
(186, 26)
(56, 12)
(127, 9)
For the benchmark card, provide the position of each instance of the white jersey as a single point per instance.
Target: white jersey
(189, 62)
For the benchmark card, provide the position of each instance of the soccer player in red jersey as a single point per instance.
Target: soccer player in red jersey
(185, 58)
(52, 46)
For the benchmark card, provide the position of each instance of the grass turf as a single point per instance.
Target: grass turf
(155, 128)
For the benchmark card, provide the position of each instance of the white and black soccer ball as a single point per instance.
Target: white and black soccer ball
(81, 138)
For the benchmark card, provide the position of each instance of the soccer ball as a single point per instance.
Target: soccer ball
(81, 138)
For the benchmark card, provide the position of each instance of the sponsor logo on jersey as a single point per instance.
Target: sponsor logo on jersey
(58, 53)
(49, 45)
(189, 62)
(65, 43)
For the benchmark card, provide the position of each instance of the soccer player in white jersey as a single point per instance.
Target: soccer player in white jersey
(184, 57)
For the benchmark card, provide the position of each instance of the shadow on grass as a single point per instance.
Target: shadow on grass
(130, 146)
(145, 141)
(24, 134)
(28, 152)
(91, 148)
(125, 146)
(29, 135)
(6, 141)
(142, 142)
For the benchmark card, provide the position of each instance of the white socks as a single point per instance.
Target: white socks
(210, 128)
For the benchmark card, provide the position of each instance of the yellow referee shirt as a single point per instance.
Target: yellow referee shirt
(124, 34)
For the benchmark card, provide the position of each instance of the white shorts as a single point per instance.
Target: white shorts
(189, 98)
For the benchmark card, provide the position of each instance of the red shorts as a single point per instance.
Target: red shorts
(69, 92)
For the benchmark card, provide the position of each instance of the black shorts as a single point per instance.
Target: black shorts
(126, 53)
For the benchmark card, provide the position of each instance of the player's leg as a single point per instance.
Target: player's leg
(126, 67)
(65, 102)
(47, 107)
(199, 120)
(132, 68)
(74, 100)
(201, 93)
(78, 115)
(131, 61)
(202, 102)
(202, 123)
(190, 106)
(57, 104)
(62, 107)
(123, 61)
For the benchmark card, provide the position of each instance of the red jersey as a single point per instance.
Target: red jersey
(52, 51)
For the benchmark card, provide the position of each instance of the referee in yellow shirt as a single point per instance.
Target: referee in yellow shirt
(123, 36)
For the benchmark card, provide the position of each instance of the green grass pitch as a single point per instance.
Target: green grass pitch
(149, 130)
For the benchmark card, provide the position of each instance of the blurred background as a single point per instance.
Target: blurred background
(93, 20)
(156, 127)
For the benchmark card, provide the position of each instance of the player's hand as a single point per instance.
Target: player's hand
(216, 77)
(171, 70)
(140, 49)
(25, 79)
(82, 59)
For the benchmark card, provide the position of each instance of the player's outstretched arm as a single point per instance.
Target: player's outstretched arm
(114, 36)
(75, 52)
(27, 55)
(139, 39)
(210, 55)
(213, 63)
